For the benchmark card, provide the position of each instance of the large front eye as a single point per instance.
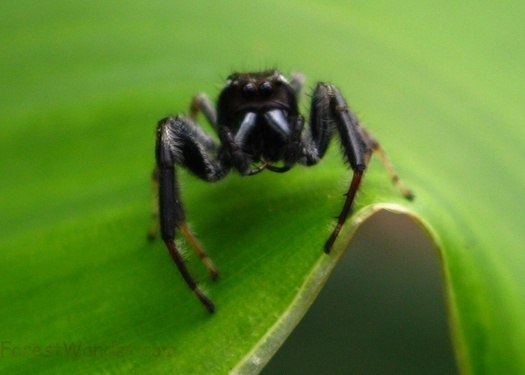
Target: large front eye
(249, 90)
(265, 88)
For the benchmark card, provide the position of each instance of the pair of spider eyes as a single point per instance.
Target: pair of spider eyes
(250, 89)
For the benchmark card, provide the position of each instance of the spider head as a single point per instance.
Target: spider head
(259, 111)
(257, 93)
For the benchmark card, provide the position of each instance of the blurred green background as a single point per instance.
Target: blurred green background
(83, 83)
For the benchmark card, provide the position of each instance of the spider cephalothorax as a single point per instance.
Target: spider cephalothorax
(260, 128)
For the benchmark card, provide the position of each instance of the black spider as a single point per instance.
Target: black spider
(259, 125)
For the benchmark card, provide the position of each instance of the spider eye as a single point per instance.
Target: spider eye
(265, 88)
(249, 90)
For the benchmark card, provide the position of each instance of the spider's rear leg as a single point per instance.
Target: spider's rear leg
(195, 244)
(297, 82)
(394, 177)
(202, 103)
(181, 142)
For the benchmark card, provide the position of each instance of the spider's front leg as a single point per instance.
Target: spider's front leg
(180, 141)
(329, 108)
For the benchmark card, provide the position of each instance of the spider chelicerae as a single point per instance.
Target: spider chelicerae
(260, 128)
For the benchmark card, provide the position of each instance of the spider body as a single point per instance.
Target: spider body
(260, 128)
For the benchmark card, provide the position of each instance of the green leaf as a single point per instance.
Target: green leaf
(82, 88)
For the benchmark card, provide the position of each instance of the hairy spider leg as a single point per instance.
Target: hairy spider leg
(194, 242)
(389, 167)
(329, 108)
(185, 230)
(297, 82)
(152, 233)
(347, 208)
(328, 112)
(202, 103)
(181, 142)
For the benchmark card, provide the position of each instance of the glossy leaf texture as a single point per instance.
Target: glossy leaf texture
(83, 84)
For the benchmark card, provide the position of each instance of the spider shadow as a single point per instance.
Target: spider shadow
(264, 205)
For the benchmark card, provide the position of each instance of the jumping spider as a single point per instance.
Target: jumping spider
(258, 123)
